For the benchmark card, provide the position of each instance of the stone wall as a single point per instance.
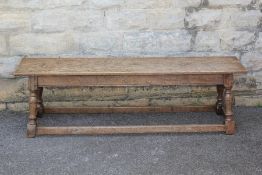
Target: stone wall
(130, 28)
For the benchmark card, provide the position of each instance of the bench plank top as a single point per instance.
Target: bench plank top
(129, 66)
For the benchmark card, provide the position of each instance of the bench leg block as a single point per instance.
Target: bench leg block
(230, 127)
(31, 130)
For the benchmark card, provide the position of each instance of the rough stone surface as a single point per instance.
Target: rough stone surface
(205, 18)
(166, 20)
(258, 76)
(236, 40)
(47, 4)
(207, 41)
(8, 66)
(100, 42)
(259, 43)
(3, 48)
(43, 44)
(239, 19)
(253, 61)
(163, 41)
(14, 21)
(228, 17)
(106, 4)
(152, 4)
(173, 41)
(58, 20)
(3, 106)
(229, 3)
(13, 90)
(17, 106)
(126, 20)
(130, 28)
(139, 42)
(255, 100)
(14, 93)
(186, 3)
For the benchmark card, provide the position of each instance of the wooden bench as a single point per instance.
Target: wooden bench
(83, 72)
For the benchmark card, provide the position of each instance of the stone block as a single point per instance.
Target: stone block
(258, 76)
(252, 61)
(236, 40)
(106, 103)
(186, 3)
(182, 101)
(157, 42)
(33, 4)
(204, 18)
(255, 100)
(175, 41)
(245, 83)
(2, 106)
(151, 4)
(17, 106)
(229, 2)
(88, 94)
(43, 44)
(50, 20)
(207, 41)
(139, 42)
(126, 20)
(13, 90)
(167, 92)
(237, 18)
(58, 20)
(3, 47)
(106, 4)
(8, 65)
(96, 42)
(166, 19)
(14, 21)
(156, 92)
(259, 43)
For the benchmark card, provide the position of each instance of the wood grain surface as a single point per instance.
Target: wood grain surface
(129, 66)
(95, 130)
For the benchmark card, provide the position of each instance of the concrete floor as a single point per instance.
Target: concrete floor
(153, 154)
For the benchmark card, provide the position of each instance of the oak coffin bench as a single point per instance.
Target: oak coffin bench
(167, 71)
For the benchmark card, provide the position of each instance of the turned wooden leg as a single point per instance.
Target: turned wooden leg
(219, 103)
(228, 98)
(31, 126)
(40, 106)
